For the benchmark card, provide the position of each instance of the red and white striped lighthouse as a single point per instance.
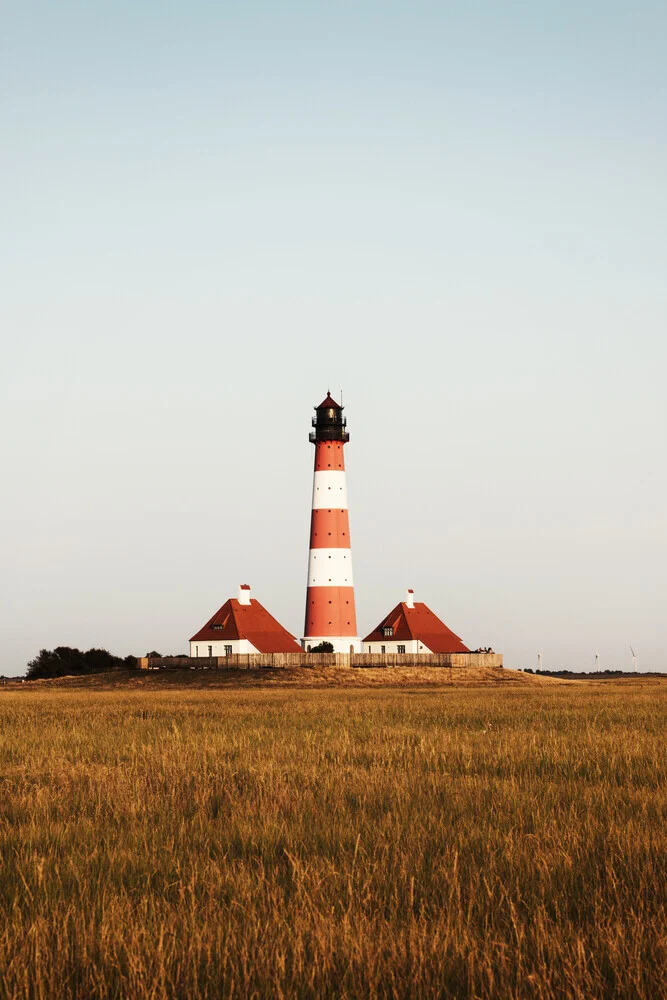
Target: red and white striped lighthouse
(330, 611)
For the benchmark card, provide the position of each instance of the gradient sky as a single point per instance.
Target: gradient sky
(212, 212)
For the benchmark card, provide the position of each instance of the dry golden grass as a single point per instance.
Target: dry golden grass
(505, 842)
(300, 677)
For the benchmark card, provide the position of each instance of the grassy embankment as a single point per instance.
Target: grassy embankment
(491, 843)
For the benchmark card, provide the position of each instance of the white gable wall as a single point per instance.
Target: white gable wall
(201, 647)
(391, 646)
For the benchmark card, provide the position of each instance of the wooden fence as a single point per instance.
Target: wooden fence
(279, 661)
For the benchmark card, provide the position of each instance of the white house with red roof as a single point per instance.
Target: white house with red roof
(242, 625)
(411, 627)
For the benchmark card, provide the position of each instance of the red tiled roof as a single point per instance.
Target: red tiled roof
(248, 621)
(328, 404)
(418, 623)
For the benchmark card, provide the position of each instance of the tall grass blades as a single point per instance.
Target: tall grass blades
(506, 843)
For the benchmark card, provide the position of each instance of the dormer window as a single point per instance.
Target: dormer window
(387, 630)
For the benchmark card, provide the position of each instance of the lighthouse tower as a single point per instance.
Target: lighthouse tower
(330, 612)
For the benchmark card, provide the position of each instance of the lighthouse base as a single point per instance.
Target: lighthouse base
(340, 643)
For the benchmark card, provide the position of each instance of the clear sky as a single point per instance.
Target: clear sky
(212, 212)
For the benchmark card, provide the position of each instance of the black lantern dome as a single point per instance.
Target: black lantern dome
(329, 422)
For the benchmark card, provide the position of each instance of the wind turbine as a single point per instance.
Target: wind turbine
(634, 659)
(539, 661)
(597, 660)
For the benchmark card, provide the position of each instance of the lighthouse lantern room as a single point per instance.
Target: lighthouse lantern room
(330, 610)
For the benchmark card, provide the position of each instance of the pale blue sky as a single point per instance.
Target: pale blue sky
(212, 212)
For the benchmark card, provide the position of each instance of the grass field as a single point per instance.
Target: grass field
(169, 841)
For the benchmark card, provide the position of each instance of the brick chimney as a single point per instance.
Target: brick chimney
(244, 593)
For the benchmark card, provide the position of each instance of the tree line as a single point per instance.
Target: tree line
(66, 660)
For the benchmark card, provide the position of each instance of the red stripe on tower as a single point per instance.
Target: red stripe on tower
(330, 611)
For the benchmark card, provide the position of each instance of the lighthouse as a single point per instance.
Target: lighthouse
(330, 611)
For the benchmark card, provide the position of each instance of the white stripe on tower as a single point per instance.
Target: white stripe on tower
(330, 568)
(329, 490)
(330, 610)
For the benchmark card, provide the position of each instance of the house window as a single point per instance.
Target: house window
(196, 650)
(370, 650)
(387, 630)
(210, 650)
(400, 649)
(228, 650)
(383, 649)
